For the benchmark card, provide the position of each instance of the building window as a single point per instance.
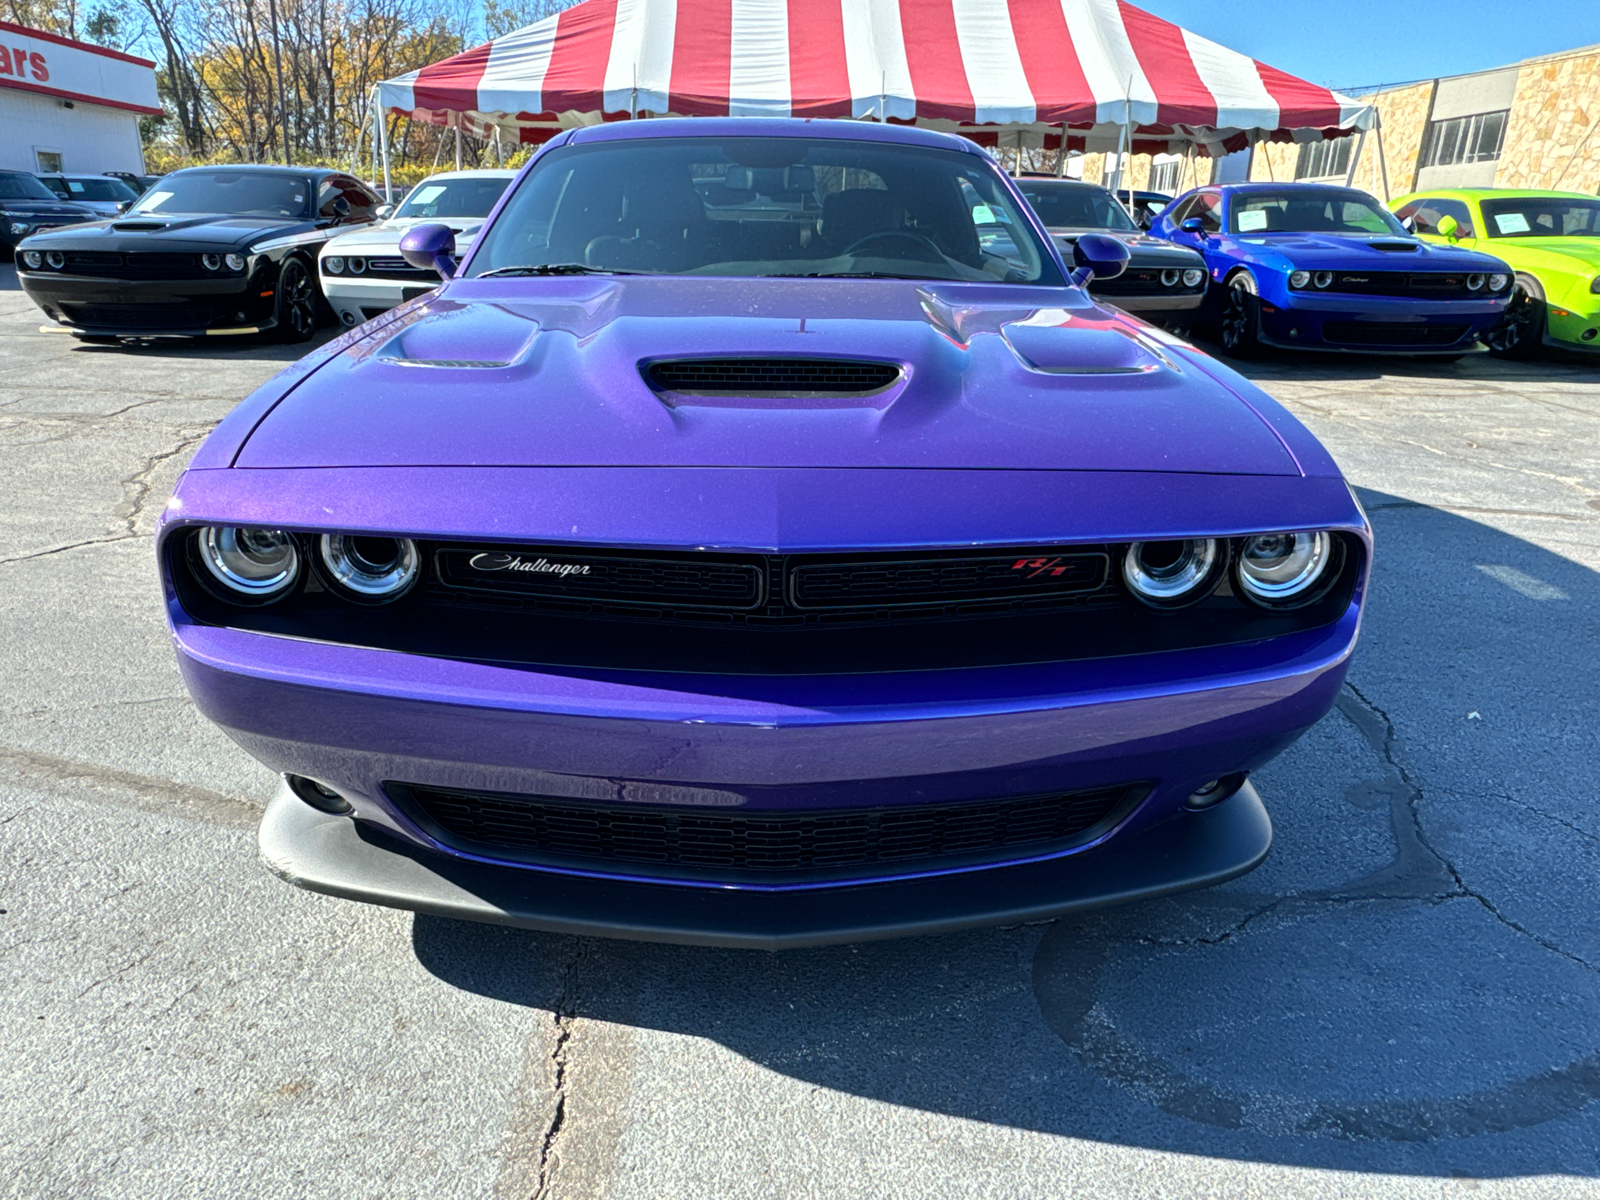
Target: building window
(49, 161)
(1465, 140)
(1320, 160)
(1164, 176)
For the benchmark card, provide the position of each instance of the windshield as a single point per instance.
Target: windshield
(24, 187)
(1311, 210)
(749, 207)
(1075, 206)
(1542, 216)
(236, 193)
(442, 199)
(99, 189)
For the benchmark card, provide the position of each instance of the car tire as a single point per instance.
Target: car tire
(296, 304)
(1239, 322)
(1520, 333)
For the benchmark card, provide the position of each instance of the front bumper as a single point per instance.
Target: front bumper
(1156, 304)
(1375, 324)
(1567, 330)
(358, 298)
(146, 308)
(341, 857)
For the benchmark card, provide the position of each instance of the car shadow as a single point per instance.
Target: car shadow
(1409, 985)
(8, 278)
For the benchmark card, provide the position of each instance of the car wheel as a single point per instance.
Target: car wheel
(1240, 319)
(1520, 333)
(296, 307)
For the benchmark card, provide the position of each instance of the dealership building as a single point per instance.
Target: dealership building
(69, 106)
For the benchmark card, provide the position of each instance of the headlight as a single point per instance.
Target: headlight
(33, 259)
(1169, 278)
(235, 262)
(333, 264)
(1323, 279)
(1299, 279)
(1193, 277)
(1499, 283)
(357, 265)
(211, 262)
(1475, 283)
(56, 259)
(255, 566)
(1279, 569)
(20, 227)
(370, 570)
(1171, 574)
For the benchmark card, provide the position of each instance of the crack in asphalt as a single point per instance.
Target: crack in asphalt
(104, 541)
(140, 479)
(565, 1014)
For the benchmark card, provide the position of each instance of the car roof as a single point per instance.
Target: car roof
(262, 169)
(478, 173)
(1490, 193)
(768, 127)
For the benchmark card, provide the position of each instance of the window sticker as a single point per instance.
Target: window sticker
(74, 186)
(1252, 220)
(982, 214)
(430, 193)
(1511, 222)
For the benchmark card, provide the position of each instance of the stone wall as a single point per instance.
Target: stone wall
(1553, 139)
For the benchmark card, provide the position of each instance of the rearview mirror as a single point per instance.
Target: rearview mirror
(431, 248)
(1098, 257)
(1447, 226)
(1193, 225)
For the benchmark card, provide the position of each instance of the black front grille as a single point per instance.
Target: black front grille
(1403, 283)
(1360, 333)
(398, 268)
(106, 265)
(766, 845)
(770, 376)
(139, 316)
(947, 580)
(1142, 283)
(714, 582)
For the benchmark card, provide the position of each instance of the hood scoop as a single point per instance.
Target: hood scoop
(1396, 246)
(1052, 343)
(728, 382)
(445, 336)
(138, 226)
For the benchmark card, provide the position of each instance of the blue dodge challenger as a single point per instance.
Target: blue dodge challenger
(1321, 267)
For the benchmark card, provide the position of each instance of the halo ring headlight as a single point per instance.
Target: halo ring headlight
(1498, 282)
(1193, 277)
(253, 566)
(1284, 569)
(1299, 279)
(1475, 283)
(56, 259)
(357, 266)
(211, 262)
(1169, 278)
(33, 259)
(1172, 574)
(235, 262)
(370, 570)
(1323, 279)
(333, 264)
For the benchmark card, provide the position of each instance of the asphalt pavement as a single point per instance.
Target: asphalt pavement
(1403, 1001)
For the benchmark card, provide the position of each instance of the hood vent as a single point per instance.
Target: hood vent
(778, 378)
(1396, 247)
(138, 226)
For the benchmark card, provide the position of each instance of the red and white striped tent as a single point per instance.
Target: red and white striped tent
(1012, 72)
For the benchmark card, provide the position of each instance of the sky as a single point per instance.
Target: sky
(1351, 43)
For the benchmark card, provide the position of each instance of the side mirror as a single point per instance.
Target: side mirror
(1192, 225)
(124, 205)
(1098, 257)
(1448, 227)
(383, 212)
(1409, 224)
(431, 248)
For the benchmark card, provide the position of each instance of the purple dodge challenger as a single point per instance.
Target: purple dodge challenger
(736, 551)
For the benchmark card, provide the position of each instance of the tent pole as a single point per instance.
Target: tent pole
(1383, 165)
(458, 141)
(1061, 159)
(1350, 175)
(383, 139)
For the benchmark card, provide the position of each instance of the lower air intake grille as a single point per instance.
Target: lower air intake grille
(770, 376)
(139, 316)
(768, 845)
(1357, 333)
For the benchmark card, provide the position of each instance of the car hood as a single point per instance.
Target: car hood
(549, 372)
(1143, 250)
(1375, 253)
(45, 208)
(132, 232)
(387, 235)
(1561, 253)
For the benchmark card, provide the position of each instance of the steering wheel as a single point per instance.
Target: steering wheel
(927, 251)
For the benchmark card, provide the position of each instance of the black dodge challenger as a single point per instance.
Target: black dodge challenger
(207, 251)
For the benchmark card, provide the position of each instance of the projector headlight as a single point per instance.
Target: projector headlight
(211, 262)
(1170, 278)
(33, 259)
(235, 262)
(254, 566)
(1299, 279)
(1323, 279)
(1279, 570)
(333, 264)
(1172, 574)
(370, 570)
(1475, 283)
(1193, 277)
(56, 259)
(357, 265)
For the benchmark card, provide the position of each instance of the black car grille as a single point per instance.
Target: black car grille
(773, 589)
(396, 268)
(107, 265)
(1141, 283)
(770, 376)
(140, 316)
(770, 846)
(1403, 283)
(1373, 333)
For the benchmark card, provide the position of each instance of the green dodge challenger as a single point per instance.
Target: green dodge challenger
(1550, 239)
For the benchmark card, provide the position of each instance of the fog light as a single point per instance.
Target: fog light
(235, 262)
(211, 262)
(1282, 569)
(1171, 574)
(1294, 333)
(318, 795)
(349, 318)
(1323, 279)
(255, 566)
(371, 570)
(1299, 279)
(56, 259)
(333, 264)
(1193, 277)
(1475, 283)
(1588, 335)
(357, 265)
(33, 259)
(1170, 278)
(1209, 795)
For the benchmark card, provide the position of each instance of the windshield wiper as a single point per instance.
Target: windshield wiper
(559, 269)
(855, 275)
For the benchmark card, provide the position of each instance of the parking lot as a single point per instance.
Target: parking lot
(1404, 1001)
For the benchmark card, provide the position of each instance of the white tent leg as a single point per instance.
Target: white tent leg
(458, 141)
(1061, 159)
(1383, 165)
(383, 141)
(1350, 175)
